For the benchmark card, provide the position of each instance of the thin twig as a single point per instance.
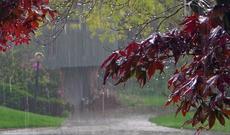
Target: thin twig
(167, 17)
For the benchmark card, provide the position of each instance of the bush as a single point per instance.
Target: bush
(18, 98)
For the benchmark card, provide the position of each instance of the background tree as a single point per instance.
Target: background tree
(119, 19)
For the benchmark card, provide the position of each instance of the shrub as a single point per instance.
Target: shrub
(19, 98)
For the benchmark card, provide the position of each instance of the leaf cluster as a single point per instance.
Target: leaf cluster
(20, 18)
(201, 85)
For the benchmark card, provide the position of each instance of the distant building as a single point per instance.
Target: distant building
(78, 57)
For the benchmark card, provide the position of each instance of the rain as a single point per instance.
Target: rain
(54, 85)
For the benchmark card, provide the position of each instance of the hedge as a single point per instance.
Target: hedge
(19, 98)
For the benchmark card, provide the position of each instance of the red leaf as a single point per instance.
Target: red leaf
(46, 1)
(168, 102)
(190, 24)
(227, 112)
(106, 76)
(131, 48)
(108, 59)
(155, 66)
(173, 79)
(212, 119)
(34, 24)
(221, 119)
(176, 98)
(184, 111)
(212, 80)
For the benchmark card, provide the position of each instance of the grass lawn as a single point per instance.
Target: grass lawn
(10, 118)
(133, 100)
(176, 122)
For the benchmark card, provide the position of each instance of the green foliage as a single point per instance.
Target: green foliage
(122, 19)
(11, 118)
(17, 97)
(132, 100)
(134, 96)
(119, 19)
(12, 96)
(16, 66)
(17, 83)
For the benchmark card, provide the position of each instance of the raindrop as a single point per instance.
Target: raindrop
(150, 59)
(10, 84)
(65, 29)
(143, 69)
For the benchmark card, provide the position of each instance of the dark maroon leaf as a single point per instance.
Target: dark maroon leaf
(108, 59)
(221, 119)
(155, 66)
(212, 119)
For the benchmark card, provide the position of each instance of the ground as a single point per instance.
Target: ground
(113, 122)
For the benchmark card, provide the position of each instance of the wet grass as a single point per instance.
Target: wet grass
(134, 100)
(176, 122)
(10, 118)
